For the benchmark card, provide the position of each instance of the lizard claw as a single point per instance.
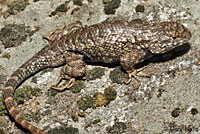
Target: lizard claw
(46, 37)
(134, 74)
(68, 85)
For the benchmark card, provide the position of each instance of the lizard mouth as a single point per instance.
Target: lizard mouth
(185, 35)
(182, 37)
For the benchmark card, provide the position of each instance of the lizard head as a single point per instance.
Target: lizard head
(169, 36)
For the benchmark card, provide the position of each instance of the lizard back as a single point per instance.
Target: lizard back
(107, 41)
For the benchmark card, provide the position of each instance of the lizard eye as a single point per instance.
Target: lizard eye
(174, 38)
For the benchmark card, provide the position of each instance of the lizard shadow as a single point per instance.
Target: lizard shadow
(170, 55)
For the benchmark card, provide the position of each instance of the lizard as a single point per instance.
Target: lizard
(127, 43)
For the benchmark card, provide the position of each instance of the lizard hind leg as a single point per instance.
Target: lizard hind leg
(74, 67)
(128, 61)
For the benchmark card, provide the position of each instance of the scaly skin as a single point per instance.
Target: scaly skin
(127, 43)
(50, 56)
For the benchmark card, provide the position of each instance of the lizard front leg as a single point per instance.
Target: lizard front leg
(74, 67)
(129, 60)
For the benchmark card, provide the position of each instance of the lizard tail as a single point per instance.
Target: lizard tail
(49, 56)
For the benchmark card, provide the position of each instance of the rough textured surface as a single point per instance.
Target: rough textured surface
(136, 108)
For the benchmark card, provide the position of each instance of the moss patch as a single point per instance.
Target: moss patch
(64, 130)
(98, 99)
(60, 9)
(110, 93)
(172, 127)
(78, 2)
(77, 86)
(2, 107)
(6, 55)
(25, 93)
(117, 76)
(95, 73)
(111, 5)
(85, 102)
(16, 7)
(139, 8)
(13, 35)
(104, 99)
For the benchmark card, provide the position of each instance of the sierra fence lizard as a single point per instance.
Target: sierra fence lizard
(127, 43)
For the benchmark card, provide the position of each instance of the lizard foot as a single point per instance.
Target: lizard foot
(74, 68)
(134, 74)
(68, 85)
